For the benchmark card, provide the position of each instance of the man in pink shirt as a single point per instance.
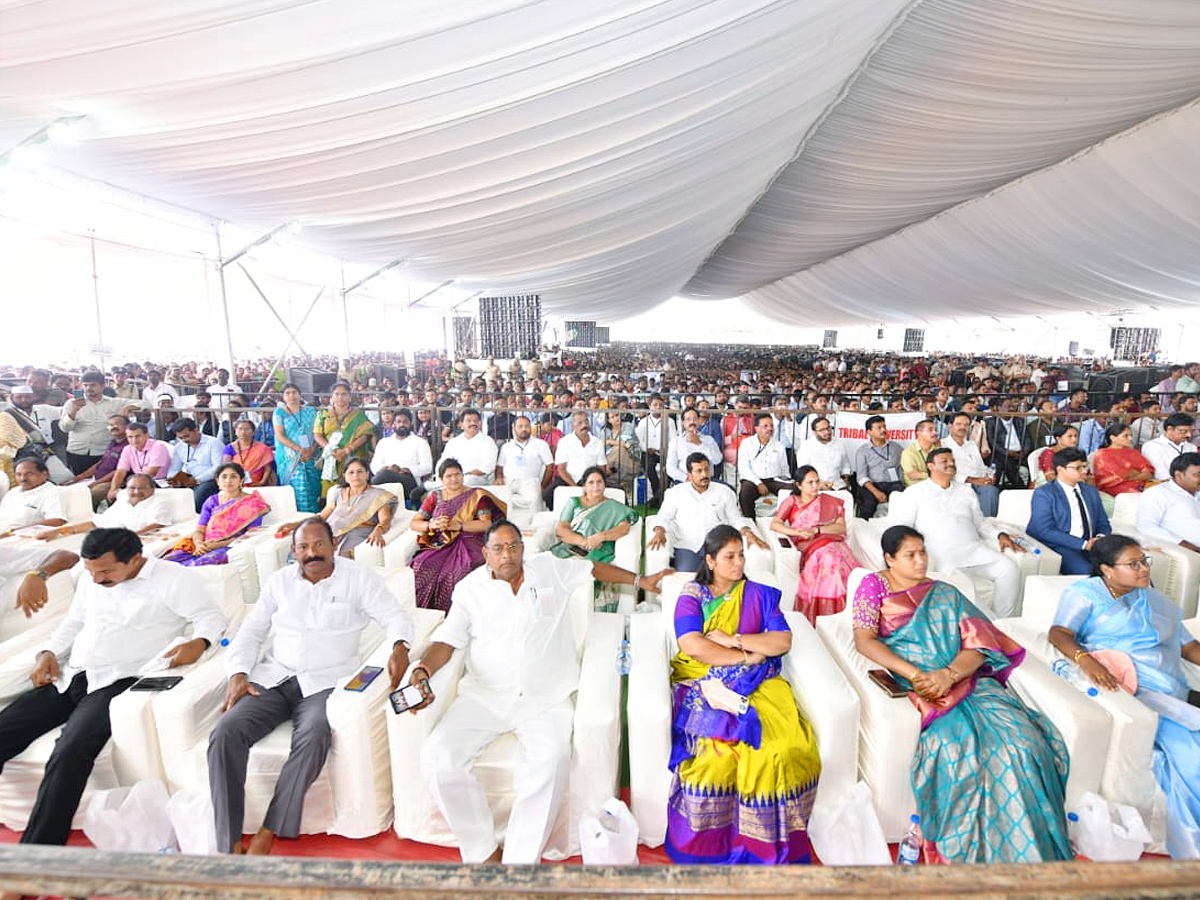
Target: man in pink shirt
(142, 456)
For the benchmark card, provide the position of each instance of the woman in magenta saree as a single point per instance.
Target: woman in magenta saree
(450, 526)
(815, 523)
(225, 516)
(989, 774)
(744, 773)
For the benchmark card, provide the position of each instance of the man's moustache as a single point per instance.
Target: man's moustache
(313, 559)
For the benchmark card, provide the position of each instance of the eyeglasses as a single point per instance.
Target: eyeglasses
(1079, 467)
(1144, 562)
(501, 549)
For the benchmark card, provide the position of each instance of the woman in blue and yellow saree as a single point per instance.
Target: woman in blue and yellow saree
(989, 774)
(744, 761)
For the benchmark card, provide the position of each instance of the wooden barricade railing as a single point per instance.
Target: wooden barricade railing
(74, 872)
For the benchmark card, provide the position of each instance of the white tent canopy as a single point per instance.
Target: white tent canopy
(832, 161)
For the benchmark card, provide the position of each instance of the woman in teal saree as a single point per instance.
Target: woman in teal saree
(989, 774)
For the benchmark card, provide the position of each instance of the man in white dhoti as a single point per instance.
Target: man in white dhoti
(511, 617)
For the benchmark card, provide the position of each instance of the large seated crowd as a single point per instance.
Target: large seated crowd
(497, 515)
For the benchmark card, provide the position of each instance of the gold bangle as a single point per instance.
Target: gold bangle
(1080, 654)
(953, 675)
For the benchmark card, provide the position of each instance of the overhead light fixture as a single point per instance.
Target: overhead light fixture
(27, 153)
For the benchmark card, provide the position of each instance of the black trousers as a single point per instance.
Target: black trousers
(413, 490)
(867, 504)
(80, 462)
(1008, 470)
(86, 729)
(748, 493)
(650, 460)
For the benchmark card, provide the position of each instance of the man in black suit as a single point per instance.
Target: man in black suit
(1008, 438)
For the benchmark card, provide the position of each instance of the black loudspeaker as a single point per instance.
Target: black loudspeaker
(602, 335)
(399, 376)
(510, 326)
(312, 381)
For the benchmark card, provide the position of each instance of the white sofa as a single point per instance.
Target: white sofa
(351, 797)
(595, 756)
(1176, 570)
(824, 697)
(134, 753)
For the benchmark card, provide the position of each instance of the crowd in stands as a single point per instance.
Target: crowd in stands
(734, 448)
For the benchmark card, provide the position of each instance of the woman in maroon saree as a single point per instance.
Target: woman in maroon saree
(450, 526)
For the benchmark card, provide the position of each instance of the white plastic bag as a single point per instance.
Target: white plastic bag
(610, 838)
(191, 814)
(1107, 832)
(130, 818)
(849, 833)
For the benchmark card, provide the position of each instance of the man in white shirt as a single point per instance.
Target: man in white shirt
(195, 457)
(85, 421)
(526, 465)
(511, 617)
(1169, 513)
(141, 508)
(403, 458)
(685, 445)
(826, 453)
(577, 452)
(36, 563)
(126, 610)
(1148, 426)
(36, 421)
(692, 509)
(315, 612)
(34, 501)
(956, 535)
(654, 433)
(155, 387)
(474, 450)
(222, 390)
(970, 467)
(761, 464)
(1175, 440)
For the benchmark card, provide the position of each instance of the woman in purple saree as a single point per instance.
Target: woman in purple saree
(450, 526)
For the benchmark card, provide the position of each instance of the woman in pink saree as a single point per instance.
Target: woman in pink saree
(225, 517)
(815, 523)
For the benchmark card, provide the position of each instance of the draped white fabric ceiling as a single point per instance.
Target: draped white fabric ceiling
(834, 161)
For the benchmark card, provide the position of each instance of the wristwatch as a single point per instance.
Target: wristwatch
(41, 573)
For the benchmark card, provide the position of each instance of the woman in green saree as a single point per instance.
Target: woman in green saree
(341, 431)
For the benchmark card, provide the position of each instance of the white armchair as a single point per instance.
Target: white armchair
(595, 755)
(891, 727)
(1013, 517)
(824, 697)
(350, 797)
(133, 754)
(758, 562)
(1176, 570)
(271, 552)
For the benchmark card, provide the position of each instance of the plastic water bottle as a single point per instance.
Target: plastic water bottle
(1025, 544)
(1073, 832)
(1071, 673)
(909, 852)
(623, 657)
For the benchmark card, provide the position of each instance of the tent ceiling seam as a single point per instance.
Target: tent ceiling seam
(1012, 184)
(833, 104)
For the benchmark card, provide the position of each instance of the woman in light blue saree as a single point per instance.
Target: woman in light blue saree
(1123, 633)
(989, 774)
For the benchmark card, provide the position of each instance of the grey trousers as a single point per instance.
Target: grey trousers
(250, 720)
